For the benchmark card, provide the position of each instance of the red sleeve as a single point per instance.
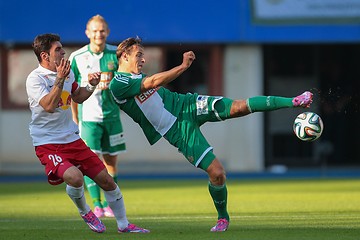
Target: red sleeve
(74, 86)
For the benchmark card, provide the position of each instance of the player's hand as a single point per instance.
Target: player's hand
(63, 68)
(94, 78)
(188, 58)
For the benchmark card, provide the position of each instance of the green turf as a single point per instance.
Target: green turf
(171, 209)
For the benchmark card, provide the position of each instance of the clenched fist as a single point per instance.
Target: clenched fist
(188, 58)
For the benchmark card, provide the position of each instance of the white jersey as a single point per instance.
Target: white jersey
(100, 106)
(50, 128)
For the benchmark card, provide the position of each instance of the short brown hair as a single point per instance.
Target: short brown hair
(43, 42)
(125, 46)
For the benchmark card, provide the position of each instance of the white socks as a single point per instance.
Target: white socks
(77, 196)
(116, 203)
(114, 198)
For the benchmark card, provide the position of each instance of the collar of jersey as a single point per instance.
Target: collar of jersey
(46, 71)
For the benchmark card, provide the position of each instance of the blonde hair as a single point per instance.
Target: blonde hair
(97, 18)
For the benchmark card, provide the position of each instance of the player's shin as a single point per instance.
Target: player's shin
(268, 103)
(78, 197)
(116, 202)
(219, 196)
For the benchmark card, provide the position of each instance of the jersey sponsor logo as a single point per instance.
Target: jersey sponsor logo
(65, 100)
(146, 95)
(105, 80)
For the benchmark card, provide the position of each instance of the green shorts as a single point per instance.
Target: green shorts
(185, 134)
(103, 137)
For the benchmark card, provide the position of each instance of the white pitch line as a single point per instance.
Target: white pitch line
(305, 216)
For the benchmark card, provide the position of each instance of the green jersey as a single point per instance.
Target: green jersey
(100, 106)
(155, 110)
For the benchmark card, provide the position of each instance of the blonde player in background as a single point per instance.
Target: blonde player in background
(99, 117)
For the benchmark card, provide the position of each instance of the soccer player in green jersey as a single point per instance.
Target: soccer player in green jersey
(178, 117)
(99, 117)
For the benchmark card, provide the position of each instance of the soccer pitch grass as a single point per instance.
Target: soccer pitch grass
(182, 209)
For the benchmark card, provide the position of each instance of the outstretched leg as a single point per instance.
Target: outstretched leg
(241, 107)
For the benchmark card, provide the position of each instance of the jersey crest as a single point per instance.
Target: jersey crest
(111, 65)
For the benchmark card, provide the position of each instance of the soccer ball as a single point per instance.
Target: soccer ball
(308, 126)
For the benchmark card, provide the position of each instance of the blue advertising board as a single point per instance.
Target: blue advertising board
(186, 21)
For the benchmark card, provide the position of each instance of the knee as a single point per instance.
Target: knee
(73, 177)
(109, 184)
(105, 181)
(239, 108)
(217, 176)
(75, 180)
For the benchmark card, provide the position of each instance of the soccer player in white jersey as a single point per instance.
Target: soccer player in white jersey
(178, 117)
(99, 117)
(50, 88)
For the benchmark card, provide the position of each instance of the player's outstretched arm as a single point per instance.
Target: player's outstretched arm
(83, 93)
(162, 78)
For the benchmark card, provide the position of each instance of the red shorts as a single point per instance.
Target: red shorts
(57, 158)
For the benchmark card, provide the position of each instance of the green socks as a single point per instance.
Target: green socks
(94, 191)
(219, 196)
(115, 178)
(268, 103)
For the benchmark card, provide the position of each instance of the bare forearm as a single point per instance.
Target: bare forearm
(163, 78)
(59, 82)
(81, 95)
(74, 110)
(160, 79)
(51, 101)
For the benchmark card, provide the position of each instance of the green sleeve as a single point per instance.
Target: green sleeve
(124, 87)
(75, 69)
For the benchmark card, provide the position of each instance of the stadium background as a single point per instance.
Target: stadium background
(244, 48)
